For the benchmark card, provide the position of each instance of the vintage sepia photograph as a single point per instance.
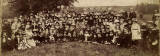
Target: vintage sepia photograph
(79, 27)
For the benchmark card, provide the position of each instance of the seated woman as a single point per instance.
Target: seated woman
(29, 39)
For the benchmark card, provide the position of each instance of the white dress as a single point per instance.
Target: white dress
(86, 37)
(29, 40)
(136, 33)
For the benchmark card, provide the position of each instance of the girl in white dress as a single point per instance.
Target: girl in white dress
(86, 36)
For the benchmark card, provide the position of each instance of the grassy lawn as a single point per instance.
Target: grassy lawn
(78, 49)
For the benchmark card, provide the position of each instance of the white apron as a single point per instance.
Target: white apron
(136, 33)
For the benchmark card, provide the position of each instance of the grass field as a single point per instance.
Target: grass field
(78, 49)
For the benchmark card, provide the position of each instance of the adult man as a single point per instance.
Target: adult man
(132, 14)
(154, 16)
(125, 39)
(145, 34)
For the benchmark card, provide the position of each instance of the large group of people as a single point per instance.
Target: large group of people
(109, 27)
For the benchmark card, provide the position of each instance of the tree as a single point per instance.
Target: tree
(26, 6)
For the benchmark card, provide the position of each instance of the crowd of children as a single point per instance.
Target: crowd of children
(109, 27)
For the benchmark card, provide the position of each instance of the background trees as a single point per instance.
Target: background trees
(26, 6)
(147, 8)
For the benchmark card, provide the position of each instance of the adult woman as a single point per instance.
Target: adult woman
(136, 33)
(29, 39)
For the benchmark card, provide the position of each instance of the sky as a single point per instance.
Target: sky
(85, 3)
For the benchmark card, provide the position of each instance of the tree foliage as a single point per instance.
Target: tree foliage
(25, 6)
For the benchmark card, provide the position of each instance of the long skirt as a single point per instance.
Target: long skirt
(26, 43)
(31, 42)
(136, 35)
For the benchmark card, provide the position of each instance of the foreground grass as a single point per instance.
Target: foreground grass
(77, 49)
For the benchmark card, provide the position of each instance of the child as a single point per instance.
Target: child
(5, 41)
(4, 37)
(86, 35)
(117, 33)
(65, 36)
(74, 35)
(47, 35)
(51, 38)
(103, 35)
(69, 35)
(81, 35)
(28, 25)
(111, 36)
(66, 30)
(99, 36)
(107, 39)
(94, 37)
(52, 32)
